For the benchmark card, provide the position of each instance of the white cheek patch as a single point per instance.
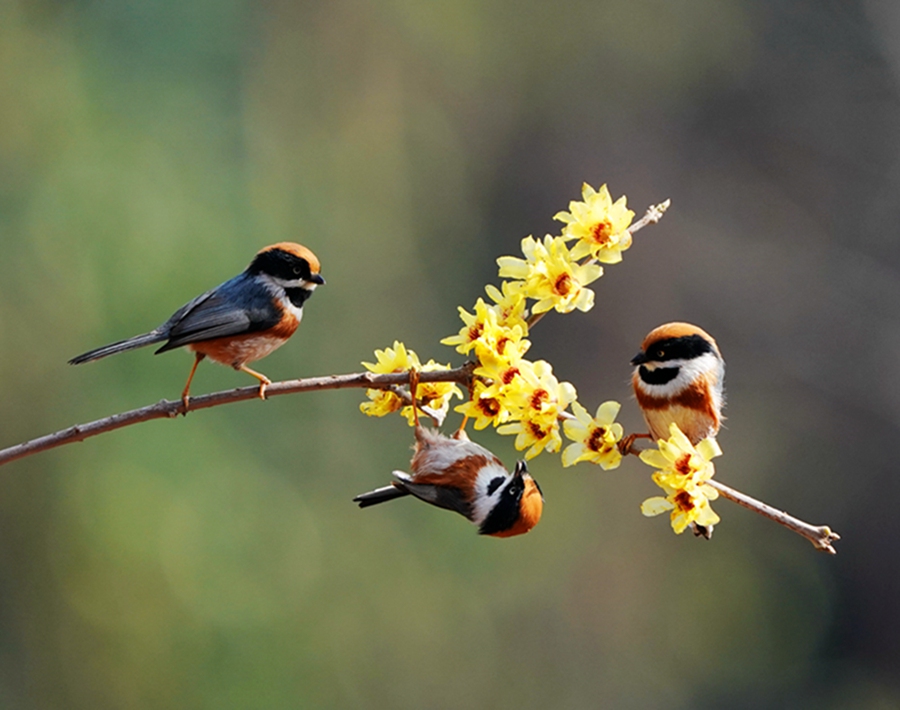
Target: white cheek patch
(688, 372)
(292, 283)
(292, 309)
(277, 287)
(484, 503)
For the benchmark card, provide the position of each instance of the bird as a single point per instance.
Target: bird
(457, 474)
(679, 378)
(239, 321)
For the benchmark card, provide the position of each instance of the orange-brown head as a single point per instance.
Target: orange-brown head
(678, 377)
(291, 265)
(297, 250)
(674, 332)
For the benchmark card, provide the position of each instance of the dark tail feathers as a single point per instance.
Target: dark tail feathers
(380, 495)
(138, 341)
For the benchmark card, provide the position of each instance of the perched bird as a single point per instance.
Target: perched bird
(678, 377)
(239, 321)
(458, 474)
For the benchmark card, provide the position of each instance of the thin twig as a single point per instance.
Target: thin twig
(167, 409)
(821, 536)
(652, 216)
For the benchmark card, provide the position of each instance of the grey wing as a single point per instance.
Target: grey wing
(215, 315)
(447, 497)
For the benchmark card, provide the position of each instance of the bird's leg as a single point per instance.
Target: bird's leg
(185, 393)
(263, 380)
(627, 442)
(461, 432)
(413, 386)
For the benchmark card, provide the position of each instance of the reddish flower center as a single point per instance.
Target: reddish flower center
(595, 440)
(475, 331)
(684, 501)
(601, 232)
(536, 430)
(508, 374)
(501, 344)
(683, 465)
(489, 406)
(538, 398)
(563, 284)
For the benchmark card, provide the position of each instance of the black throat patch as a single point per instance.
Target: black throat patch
(506, 512)
(298, 295)
(658, 376)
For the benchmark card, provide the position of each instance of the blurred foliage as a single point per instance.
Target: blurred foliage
(148, 149)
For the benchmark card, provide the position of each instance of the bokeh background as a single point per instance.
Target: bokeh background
(148, 149)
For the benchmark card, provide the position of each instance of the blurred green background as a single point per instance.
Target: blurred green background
(149, 148)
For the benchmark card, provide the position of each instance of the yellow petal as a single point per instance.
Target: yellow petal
(654, 458)
(571, 454)
(655, 506)
(709, 449)
(677, 437)
(607, 412)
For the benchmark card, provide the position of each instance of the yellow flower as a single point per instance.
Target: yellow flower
(599, 224)
(683, 472)
(538, 399)
(499, 391)
(473, 328)
(550, 275)
(510, 306)
(383, 402)
(501, 347)
(492, 341)
(595, 437)
(396, 359)
(434, 397)
(485, 407)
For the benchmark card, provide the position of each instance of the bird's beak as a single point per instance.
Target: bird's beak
(317, 279)
(640, 358)
(521, 471)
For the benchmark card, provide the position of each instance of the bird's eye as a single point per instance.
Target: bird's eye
(297, 271)
(660, 354)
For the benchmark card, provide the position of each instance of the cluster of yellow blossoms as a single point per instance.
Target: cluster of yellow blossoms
(434, 396)
(523, 397)
(683, 472)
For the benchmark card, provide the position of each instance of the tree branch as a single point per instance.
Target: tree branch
(167, 409)
(821, 536)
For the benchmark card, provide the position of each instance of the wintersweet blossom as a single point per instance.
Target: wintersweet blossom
(550, 275)
(538, 400)
(682, 472)
(396, 359)
(510, 306)
(474, 325)
(485, 406)
(499, 391)
(595, 437)
(434, 397)
(599, 224)
(492, 340)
